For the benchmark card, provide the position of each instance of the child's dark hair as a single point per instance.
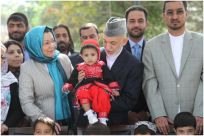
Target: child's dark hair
(184, 119)
(97, 129)
(143, 129)
(88, 46)
(45, 120)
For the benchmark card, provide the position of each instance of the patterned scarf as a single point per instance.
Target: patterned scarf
(6, 80)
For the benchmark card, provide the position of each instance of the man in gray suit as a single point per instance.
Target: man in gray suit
(173, 67)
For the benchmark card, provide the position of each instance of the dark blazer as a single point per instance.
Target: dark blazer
(128, 71)
(75, 59)
(141, 105)
(15, 113)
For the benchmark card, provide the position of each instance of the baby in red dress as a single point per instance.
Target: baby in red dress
(94, 91)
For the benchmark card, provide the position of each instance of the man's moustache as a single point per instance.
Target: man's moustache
(61, 42)
(136, 28)
(15, 33)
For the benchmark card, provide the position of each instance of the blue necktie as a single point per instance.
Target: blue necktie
(137, 51)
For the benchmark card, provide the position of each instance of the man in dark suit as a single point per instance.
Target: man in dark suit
(136, 23)
(86, 31)
(124, 67)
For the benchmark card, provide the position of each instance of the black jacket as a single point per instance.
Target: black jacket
(15, 113)
(128, 71)
(75, 59)
(141, 105)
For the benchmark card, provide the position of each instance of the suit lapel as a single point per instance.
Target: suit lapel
(127, 47)
(166, 48)
(119, 62)
(187, 46)
(142, 49)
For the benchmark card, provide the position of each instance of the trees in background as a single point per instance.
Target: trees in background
(76, 13)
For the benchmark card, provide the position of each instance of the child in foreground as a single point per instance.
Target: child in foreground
(94, 91)
(184, 124)
(145, 128)
(44, 126)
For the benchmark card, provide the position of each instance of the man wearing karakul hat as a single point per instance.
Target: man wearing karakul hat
(125, 68)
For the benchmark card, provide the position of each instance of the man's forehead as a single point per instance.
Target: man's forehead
(16, 22)
(62, 31)
(112, 38)
(89, 30)
(174, 5)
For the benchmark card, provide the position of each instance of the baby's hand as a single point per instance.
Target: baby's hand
(66, 88)
(115, 92)
(81, 75)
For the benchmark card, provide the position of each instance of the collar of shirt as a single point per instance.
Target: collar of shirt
(182, 35)
(133, 43)
(111, 58)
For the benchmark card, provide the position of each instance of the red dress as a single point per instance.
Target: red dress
(95, 88)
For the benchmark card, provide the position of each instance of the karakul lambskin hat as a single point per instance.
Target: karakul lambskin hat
(115, 27)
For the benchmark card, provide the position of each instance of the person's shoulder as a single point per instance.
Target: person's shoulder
(64, 59)
(73, 55)
(28, 63)
(195, 34)
(157, 38)
(62, 56)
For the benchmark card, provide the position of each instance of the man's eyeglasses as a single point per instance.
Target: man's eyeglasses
(178, 12)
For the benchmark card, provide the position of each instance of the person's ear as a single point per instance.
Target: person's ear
(187, 15)
(163, 17)
(98, 37)
(27, 28)
(147, 23)
(124, 41)
(81, 40)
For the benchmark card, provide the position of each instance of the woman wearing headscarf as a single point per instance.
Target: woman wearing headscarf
(8, 81)
(42, 77)
(12, 59)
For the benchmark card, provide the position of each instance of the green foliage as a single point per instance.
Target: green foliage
(76, 13)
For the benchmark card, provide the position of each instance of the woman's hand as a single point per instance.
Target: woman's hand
(57, 128)
(4, 128)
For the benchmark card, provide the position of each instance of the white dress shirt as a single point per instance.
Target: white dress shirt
(177, 47)
(111, 58)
